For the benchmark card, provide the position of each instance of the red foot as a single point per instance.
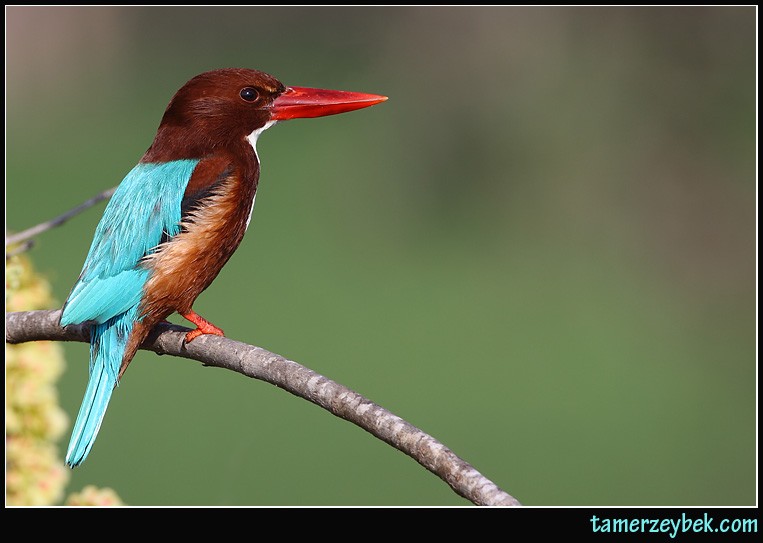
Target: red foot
(203, 326)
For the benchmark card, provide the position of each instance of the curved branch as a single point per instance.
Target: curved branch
(260, 364)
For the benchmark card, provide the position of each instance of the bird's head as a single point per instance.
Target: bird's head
(222, 108)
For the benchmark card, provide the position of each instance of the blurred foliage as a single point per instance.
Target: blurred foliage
(34, 421)
(541, 250)
(93, 496)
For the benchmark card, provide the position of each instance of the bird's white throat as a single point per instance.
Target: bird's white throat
(256, 134)
(253, 142)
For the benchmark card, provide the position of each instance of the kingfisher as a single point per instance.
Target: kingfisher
(176, 218)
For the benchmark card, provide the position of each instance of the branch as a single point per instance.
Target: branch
(23, 247)
(260, 364)
(57, 221)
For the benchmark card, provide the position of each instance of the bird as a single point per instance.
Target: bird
(175, 220)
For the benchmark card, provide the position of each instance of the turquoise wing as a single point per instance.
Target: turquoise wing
(144, 211)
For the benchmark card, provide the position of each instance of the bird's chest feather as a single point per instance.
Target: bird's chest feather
(212, 228)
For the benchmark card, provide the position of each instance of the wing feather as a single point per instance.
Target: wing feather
(144, 210)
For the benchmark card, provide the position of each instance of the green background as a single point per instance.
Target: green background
(541, 250)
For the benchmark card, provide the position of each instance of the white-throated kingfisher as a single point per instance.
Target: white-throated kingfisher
(176, 218)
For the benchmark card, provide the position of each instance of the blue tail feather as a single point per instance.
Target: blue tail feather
(90, 416)
(107, 347)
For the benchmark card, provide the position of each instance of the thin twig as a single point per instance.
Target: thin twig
(58, 221)
(261, 364)
(18, 249)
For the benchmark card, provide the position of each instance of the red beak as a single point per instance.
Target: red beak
(304, 102)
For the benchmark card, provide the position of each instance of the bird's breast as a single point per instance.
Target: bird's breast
(211, 231)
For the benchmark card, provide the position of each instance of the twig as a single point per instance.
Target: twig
(261, 364)
(57, 221)
(21, 248)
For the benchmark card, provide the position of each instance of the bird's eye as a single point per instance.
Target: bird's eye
(249, 94)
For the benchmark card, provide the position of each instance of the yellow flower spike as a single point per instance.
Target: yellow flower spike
(34, 421)
(91, 495)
